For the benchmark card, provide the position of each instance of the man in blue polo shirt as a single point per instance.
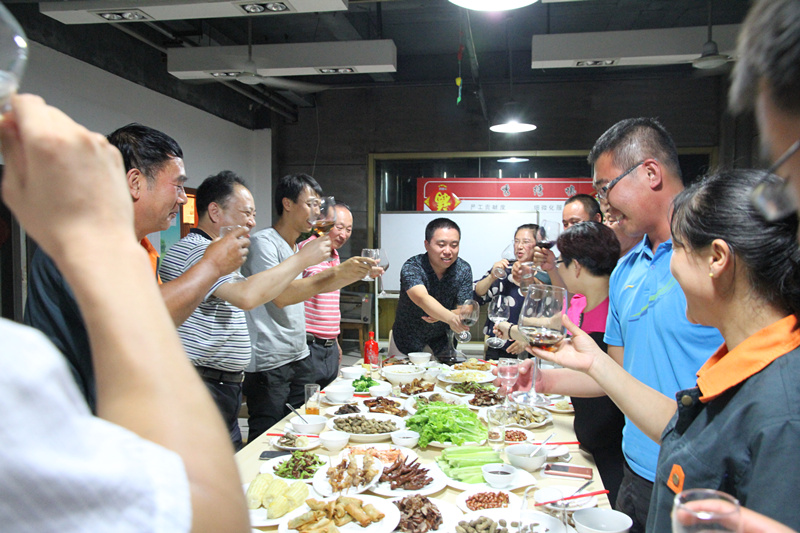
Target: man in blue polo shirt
(636, 170)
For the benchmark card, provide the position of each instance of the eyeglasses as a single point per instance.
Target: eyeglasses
(604, 190)
(772, 199)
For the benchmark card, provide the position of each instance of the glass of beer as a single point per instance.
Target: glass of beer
(312, 399)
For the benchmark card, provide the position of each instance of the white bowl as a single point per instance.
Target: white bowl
(381, 389)
(339, 392)
(399, 374)
(405, 437)
(419, 358)
(597, 520)
(334, 440)
(499, 475)
(518, 455)
(352, 372)
(316, 423)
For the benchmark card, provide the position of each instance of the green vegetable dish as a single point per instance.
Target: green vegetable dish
(301, 465)
(363, 383)
(446, 423)
(464, 463)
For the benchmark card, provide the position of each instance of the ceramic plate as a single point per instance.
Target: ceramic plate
(553, 492)
(449, 389)
(529, 436)
(460, 376)
(407, 452)
(331, 411)
(323, 487)
(555, 408)
(313, 442)
(514, 501)
(439, 482)
(546, 523)
(387, 525)
(411, 401)
(547, 419)
(521, 480)
(399, 401)
(451, 515)
(369, 437)
(258, 517)
(269, 467)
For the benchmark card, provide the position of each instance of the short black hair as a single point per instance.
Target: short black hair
(218, 189)
(632, 140)
(590, 205)
(440, 223)
(291, 186)
(145, 149)
(592, 244)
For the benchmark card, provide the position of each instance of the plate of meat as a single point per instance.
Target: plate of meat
(408, 476)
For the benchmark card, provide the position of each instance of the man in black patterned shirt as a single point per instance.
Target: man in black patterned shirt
(432, 286)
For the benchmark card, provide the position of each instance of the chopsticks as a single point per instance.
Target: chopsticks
(575, 497)
(295, 434)
(565, 443)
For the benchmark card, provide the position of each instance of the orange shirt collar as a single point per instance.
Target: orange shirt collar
(153, 254)
(725, 370)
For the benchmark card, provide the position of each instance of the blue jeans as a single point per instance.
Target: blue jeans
(268, 393)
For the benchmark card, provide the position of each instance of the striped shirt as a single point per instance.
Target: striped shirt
(215, 335)
(323, 315)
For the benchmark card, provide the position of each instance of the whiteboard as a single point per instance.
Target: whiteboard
(484, 236)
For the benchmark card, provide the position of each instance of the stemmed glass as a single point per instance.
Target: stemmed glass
(13, 55)
(384, 264)
(499, 311)
(509, 255)
(236, 275)
(371, 253)
(323, 220)
(547, 236)
(469, 316)
(508, 372)
(698, 510)
(540, 321)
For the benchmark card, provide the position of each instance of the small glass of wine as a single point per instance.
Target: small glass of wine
(508, 372)
(324, 218)
(13, 56)
(468, 311)
(236, 275)
(540, 320)
(384, 264)
(547, 236)
(701, 510)
(499, 311)
(371, 253)
(510, 256)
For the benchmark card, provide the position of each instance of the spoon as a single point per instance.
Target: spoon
(301, 416)
(545, 441)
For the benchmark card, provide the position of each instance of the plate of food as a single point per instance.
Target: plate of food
(345, 409)
(480, 499)
(524, 417)
(386, 405)
(300, 465)
(291, 442)
(384, 452)
(271, 498)
(461, 376)
(426, 397)
(474, 364)
(367, 427)
(361, 514)
(554, 492)
(468, 387)
(417, 386)
(518, 435)
(351, 475)
(405, 477)
(540, 522)
(484, 398)
(420, 514)
(563, 406)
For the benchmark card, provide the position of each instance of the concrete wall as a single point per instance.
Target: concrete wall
(103, 102)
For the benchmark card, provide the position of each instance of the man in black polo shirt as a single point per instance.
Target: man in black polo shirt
(432, 286)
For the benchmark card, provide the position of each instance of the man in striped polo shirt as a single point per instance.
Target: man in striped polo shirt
(323, 315)
(215, 335)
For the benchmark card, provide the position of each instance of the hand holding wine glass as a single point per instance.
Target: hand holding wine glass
(499, 311)
(371, 253)
(508, 257)
(323, 217)
(236, 275)
(546, 238)
(468, 311)
(13, 56)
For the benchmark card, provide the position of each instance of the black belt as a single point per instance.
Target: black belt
(322, 342)
(220, 375)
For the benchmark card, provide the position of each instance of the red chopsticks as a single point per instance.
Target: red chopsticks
(575, 497)
(566, 443)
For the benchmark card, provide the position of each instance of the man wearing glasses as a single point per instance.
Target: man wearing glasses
(767, 79)
(280, 365)
(636, 171)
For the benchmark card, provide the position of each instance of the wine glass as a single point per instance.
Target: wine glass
(547, 236)
(540, 321)
(527, 270)
(508, 372)
(13, 55)
(469, 316)
(371, 253)
(510, 256)
(324, 217)
(236, 275)
(499, 311)
(697, 510)
(384, 264)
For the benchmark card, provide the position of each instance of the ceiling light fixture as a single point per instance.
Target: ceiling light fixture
(595, 63)
(513, 159)
(133, 15)
(492, 5)
(511, 118)
(255, 9)
(336, 70)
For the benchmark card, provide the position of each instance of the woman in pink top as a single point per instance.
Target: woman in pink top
(589, 252)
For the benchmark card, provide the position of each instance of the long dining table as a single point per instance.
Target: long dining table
(249, 462)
